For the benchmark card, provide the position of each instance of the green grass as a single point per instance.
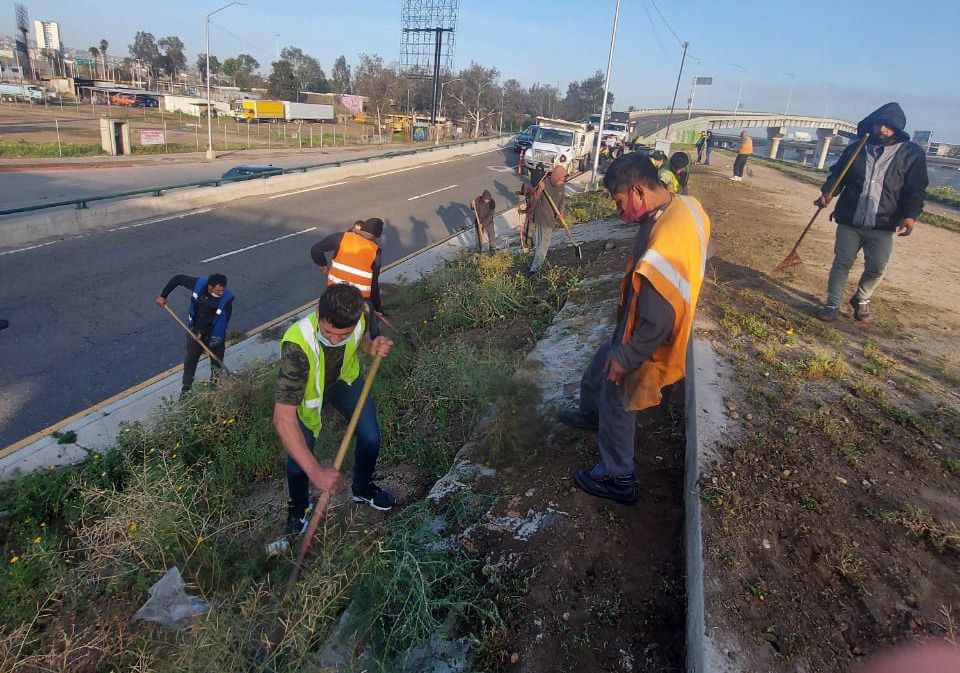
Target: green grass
(590, 206)
(953, 466)
(21, 148)
(944, 194)
(940, 221)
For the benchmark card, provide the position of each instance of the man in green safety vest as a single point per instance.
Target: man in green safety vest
(320, 364)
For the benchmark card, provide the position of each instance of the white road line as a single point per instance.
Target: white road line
(308, 189)
(255, 245)
(435, 191)
(31, 247)
(437, 163)
(179, 216)
(495, 149)
(399, 170)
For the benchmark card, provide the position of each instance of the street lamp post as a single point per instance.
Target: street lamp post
(210, 153)
(793, 80)
(502, 92)
(436, 140)
(736, 110)
(603, 104)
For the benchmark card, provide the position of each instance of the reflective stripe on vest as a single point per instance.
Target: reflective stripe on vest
(351, 269)
(333, 279)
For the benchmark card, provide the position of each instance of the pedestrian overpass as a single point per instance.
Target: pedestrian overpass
(686, 127)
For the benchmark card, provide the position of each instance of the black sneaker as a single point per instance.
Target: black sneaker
(577, 418)
(297, 521)
(861, 309)
(376, 497)
(618, 489)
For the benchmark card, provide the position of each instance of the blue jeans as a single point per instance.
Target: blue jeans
(877, 247)
(343, 396)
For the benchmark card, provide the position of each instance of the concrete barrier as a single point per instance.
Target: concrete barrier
(69, 221)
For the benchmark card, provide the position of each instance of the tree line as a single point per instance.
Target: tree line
(476, 94)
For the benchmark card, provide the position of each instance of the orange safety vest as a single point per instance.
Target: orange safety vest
(674, 264)
(746, 146)
(353, 263)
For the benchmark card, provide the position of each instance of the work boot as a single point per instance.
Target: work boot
(578, 418)
(861, 309)
(618, 489)
(829, 313)
(376, 497)
(4, 324)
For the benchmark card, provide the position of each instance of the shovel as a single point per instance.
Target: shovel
(566, 227)
(793, 258)
(193, 336)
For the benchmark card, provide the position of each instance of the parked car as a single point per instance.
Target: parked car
(244, 172)
(124, 100)
(524, 139)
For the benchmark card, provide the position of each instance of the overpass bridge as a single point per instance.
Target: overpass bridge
(651, 125)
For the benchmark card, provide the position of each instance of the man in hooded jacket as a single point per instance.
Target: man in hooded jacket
(882, 193)
(485, 208)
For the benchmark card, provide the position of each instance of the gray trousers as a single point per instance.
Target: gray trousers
(876, 245)
(485, 231)
(618, 426)
(541, 246)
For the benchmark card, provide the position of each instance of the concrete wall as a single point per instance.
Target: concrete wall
(66, 221)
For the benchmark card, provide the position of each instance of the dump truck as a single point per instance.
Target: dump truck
(259, 110)
(561, 141)
(307, 112)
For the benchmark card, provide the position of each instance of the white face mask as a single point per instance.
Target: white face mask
(323, 340)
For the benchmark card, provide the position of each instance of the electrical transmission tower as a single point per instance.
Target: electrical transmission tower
(428, 38)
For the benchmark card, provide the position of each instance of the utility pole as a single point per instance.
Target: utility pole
(683, 59)
(210, 153)
(793, 80)
(436, 140)
(502, 92)
(606, 93)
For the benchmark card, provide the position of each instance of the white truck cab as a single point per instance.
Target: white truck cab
(559, 141)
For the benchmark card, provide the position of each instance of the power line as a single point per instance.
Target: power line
(245, 41)
(656, 34)
(666, 23)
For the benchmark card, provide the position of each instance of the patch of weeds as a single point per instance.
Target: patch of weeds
(878, 363)
(68, 437)
(809, 503)
(824, 365)
(871, 393)
(919, 523)
(590, 206)
(606, 611)
(756, 589)
(412, 589)
(953, 466)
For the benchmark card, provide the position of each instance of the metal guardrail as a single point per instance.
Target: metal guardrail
(81, 203)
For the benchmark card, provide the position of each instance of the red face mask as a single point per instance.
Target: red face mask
(633, 213)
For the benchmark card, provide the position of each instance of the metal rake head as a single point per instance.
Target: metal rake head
(789, 263)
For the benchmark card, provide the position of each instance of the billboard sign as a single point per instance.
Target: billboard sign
(152, 137)
(702, 81)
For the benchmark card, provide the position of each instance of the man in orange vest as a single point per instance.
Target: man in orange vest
(743, 153)
(356, 260)
(648, 348)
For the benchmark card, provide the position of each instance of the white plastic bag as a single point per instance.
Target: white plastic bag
(169, 604)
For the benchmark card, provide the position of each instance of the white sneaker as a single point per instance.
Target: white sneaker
(736, 178)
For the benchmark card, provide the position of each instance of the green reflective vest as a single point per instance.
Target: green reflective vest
(304, 334)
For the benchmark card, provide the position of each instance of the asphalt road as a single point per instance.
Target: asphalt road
(83, 325)
(36, 187)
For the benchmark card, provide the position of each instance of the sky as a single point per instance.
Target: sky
(844, 60)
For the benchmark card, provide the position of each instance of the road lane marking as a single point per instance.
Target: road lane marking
(437, 163)
(308, 189)
(495, 149)
(435, 191)
(501, 169)
(157, 220)
(399, 170)
(255, 245)
(29, 247)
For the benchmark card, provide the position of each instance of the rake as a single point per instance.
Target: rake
(793, 258)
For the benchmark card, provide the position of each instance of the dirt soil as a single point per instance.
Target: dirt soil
(831, 526)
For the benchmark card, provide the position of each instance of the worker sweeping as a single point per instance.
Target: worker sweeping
(320, 365)
(648, 348)
(211, 307)
(356, 260)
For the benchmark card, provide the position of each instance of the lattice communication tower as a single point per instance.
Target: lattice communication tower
(427, 40)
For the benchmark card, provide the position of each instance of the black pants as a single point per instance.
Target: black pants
(739, 163)
(192, 357)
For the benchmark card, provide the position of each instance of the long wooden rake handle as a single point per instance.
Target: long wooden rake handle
(193, 336)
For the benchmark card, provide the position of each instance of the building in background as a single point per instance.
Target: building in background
(48, 36)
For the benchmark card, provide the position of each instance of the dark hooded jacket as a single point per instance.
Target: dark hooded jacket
(485, 209)
(902, 184)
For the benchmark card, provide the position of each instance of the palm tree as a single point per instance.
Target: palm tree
(103, 54)
(94, 54)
